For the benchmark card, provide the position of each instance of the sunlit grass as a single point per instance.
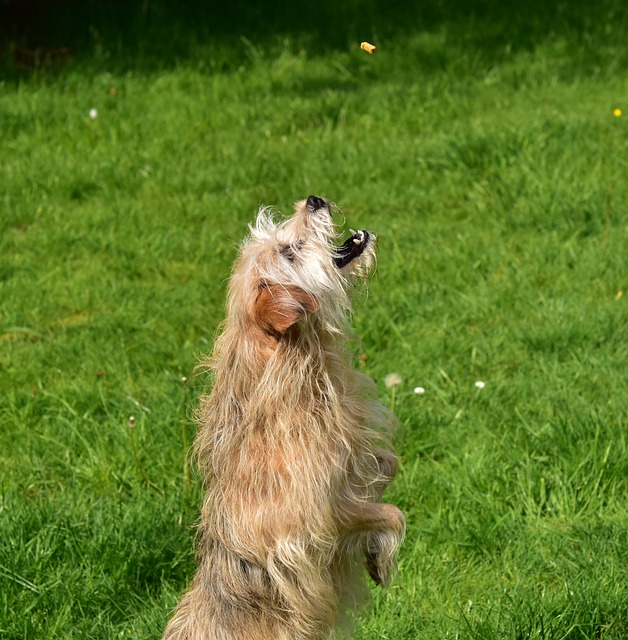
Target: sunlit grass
(497, 189)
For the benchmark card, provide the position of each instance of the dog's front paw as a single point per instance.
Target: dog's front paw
(381, 555)
(375, 570)
(380, 568)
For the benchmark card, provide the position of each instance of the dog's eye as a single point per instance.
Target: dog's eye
(289, 251)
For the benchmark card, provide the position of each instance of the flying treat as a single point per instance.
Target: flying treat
(367, 46)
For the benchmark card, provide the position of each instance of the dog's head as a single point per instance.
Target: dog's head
(297, 268)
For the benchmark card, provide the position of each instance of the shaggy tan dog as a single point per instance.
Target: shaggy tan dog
(293, 445)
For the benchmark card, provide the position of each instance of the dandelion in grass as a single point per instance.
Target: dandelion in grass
(617, 112)
(480, 385)
(93, 114)
(392, 381)
(419, 391)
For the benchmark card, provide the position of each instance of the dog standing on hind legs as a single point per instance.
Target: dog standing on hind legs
(293, 445)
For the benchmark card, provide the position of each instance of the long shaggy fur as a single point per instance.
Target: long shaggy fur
(293, 446)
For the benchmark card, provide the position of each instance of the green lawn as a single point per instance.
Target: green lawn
(487, 158)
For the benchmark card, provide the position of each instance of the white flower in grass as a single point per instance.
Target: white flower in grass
(419, 390)
(480, 385)
(93, 114)
(392, 380)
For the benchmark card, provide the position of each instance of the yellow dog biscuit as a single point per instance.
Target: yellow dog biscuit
(367, 46)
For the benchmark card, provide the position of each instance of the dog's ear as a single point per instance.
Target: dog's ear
(278, 307)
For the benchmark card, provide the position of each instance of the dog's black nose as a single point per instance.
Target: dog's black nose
(314, 203)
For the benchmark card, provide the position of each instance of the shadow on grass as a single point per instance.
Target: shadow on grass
(157, 34)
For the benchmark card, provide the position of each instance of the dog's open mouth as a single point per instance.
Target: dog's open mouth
(352, 248)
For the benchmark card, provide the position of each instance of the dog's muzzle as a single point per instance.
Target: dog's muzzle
(352, 248)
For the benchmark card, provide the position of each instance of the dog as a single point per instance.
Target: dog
(293, 445)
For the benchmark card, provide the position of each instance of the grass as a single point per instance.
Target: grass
(493, 172)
